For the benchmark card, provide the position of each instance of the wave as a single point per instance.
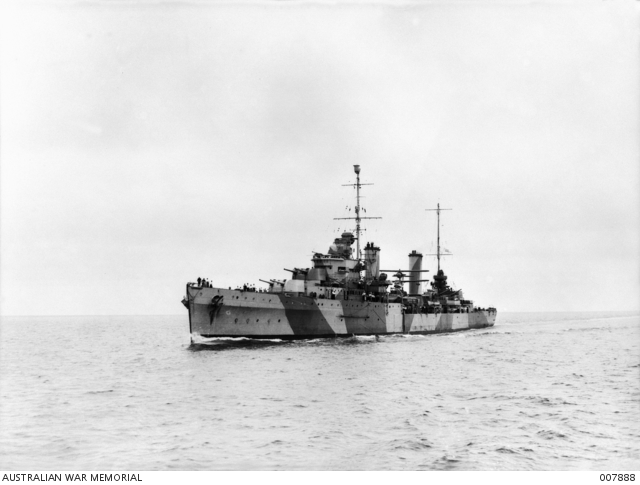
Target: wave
(548, 434)
(417, 444)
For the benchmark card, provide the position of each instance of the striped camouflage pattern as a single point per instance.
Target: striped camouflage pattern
(217, 312)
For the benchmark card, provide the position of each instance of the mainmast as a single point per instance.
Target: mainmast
(357, 185)
(438, 213)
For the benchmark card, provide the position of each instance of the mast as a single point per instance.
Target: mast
(356, 169)
(358, 219)
(438, 213)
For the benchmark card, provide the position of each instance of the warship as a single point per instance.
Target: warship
(343, 294)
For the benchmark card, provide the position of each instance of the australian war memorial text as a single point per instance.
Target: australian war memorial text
(71, 477)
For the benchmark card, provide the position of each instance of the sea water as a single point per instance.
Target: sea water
(539, 391)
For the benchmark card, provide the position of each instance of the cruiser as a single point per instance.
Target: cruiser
(342, 295)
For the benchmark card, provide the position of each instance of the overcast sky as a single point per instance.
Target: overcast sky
(144, 144)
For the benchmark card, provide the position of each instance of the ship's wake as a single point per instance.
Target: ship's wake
(199, 343)
(352, 340)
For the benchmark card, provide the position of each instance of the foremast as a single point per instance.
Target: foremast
(358, 218)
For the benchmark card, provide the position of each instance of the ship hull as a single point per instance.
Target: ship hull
(217, 312)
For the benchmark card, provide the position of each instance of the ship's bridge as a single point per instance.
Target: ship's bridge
(341, 246)
(337, 265)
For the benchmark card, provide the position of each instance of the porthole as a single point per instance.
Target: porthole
(236, 320)
(278, 320)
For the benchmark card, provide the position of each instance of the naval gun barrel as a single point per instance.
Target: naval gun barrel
(297, 270)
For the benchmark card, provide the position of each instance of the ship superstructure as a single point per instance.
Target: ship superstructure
(344, 293)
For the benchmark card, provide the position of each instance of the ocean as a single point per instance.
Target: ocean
(539, 391)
